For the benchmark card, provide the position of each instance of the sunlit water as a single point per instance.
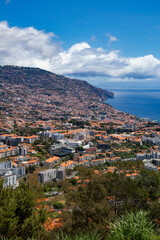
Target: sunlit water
(142, 103)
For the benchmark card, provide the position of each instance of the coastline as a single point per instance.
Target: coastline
(143, 103)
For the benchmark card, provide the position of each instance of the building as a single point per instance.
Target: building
(71, 143)
(19, 171)
(31, 139)
(23, 150)
(60, 173)
(152, 155)
(50, 174)
(47, 175)
(9, 174)
(51, 161)
(57, 136)
(9, 178)
(69, 164)
(5, 165)
(60, 150)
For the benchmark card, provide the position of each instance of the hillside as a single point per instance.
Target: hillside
(27, 89)
(35, 77)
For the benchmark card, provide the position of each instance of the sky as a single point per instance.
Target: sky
(109, 43)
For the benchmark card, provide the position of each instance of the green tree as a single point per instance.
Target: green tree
(18, 219)
(150, 180)
(25, 202)
(91, 210)
(8, 218)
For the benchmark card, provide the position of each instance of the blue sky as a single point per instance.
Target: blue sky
(125, 32)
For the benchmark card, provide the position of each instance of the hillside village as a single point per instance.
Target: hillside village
(61, 143)
(49, 136)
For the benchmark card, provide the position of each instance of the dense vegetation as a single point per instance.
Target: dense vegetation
(100, 206)
(18, 218)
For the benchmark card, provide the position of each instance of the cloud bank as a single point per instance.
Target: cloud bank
(30, 47)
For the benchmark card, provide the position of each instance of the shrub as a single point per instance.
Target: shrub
(58, 205)
(132, 226)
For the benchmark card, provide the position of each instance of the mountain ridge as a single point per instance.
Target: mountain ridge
(25, 73)
(33, 93)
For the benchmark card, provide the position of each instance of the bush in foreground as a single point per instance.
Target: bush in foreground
(86, 236)
(133, 227)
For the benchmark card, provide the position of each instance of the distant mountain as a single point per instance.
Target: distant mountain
(35, 77)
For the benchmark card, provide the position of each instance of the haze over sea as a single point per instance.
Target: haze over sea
(144, 103)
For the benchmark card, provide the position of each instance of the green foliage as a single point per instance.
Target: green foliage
(30, 169)
(17, 216)
(129, 165)
(58, 205)
(8, 218)
(71, 156)
(41, 155)
(132, 226)
(31, 226)
(82, 236)
(79, 123)
(127, 194)
(25, 203)
(80, 148)
(91, 205)
(125, 155)
(73, 181)
(150, 181)
(154, 210)
(91, 210)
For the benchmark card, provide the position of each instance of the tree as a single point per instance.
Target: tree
(91, 210)
(73, 181)
(31, 169)
(31, 227)
(18, 219)
(125, 193)
(25, 203)
(150, 180)
(154, 210)
(8, 218)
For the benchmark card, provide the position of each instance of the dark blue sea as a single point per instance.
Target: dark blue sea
(142, 103)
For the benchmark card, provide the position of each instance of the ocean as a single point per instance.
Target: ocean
(143, 103)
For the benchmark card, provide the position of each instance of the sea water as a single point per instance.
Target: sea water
(144, 103)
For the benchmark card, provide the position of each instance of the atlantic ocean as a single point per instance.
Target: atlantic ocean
(143, 103)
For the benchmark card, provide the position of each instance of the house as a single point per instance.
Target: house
(31, 139)
(69, 164)
(51, 161)
(97, 162)
(85, 163)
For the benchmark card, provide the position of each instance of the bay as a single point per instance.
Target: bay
(143, 103)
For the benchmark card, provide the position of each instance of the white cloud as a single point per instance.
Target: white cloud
(111, 38)
(30, 47)
(26, 46)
